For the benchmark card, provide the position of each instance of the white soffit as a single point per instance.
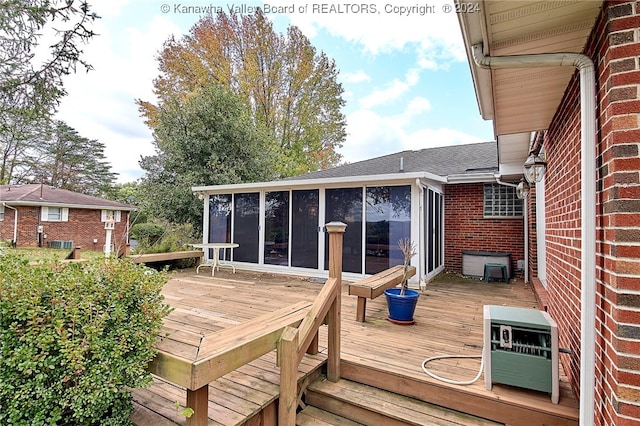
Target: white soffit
(512, 152)
(524, 100)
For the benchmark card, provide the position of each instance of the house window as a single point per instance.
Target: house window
(54, 214)
(115, 214)
(501, 201)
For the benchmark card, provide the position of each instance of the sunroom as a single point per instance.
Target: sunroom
(279, 226)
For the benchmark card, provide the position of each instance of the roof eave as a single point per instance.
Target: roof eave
(474, 32)
(306, 183)
(471, 178)
(66, 205)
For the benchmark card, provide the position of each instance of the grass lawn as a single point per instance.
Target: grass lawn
(35, 254)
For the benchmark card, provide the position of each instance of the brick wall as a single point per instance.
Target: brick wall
(614, 46)
(82, 228)
(467, 229)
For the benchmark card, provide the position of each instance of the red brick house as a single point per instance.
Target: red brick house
(42, 216)
(561, 80)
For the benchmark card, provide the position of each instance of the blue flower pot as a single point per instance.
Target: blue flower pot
(401, 308)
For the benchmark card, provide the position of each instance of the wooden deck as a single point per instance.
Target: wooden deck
(376, 352)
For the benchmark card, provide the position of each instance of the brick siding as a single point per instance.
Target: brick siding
(83, 226)
(614, 47)
(466, 228)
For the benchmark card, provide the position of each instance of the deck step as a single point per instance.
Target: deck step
(312, 416)
(369, 405)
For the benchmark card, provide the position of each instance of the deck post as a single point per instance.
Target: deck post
(287, 405)
(198, 401)
(336, 232)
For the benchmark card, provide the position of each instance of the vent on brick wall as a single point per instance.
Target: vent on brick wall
(61, 244)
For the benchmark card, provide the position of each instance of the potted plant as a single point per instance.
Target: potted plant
(401, 301)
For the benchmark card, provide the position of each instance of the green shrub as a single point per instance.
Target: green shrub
(174, 237)
(74, 339)
(147, 234)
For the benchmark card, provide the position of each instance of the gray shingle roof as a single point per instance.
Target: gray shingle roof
(442, 161)
(36, 194)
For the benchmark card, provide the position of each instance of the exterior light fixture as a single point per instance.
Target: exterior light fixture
(522, 190)
(534, 168)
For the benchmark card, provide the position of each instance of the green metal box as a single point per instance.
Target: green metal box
(521, 349)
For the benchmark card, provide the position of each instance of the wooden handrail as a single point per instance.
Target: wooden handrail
(295, 341)
(308, 329)
(292, 330)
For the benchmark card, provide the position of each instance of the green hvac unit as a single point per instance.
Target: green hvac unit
(521, 349)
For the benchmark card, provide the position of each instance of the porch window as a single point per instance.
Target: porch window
(345, 205)
(388, 219)
(220, 221)
(501, 201)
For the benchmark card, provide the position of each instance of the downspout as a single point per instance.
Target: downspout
(526, 228)
(15, 223)
(422, 274)
(587, 206)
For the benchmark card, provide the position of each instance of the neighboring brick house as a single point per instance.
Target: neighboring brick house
(585, 214)
(446, 200)
(38, 215)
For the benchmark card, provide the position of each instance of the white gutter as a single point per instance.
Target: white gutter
(487, 177)
(15, 222)
(312, 183)
(587, 206)
(70, 206)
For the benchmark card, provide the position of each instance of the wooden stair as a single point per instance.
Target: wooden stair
(312, 416)
(346, 402)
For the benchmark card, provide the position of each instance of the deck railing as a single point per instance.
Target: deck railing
(292, 331)
(295, 341)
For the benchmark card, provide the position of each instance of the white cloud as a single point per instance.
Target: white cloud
(417, 106)
(428, 138)
(392, 91)
(372, 135)
(101, 103)
(434, 33)
(356, 77)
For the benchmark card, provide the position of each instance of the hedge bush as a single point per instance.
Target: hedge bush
(75, 339)
(147, 233)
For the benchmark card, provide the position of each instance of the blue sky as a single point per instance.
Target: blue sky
(406, 81)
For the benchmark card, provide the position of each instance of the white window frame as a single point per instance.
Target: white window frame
(116, 214)
(46, 217)
(502, 203)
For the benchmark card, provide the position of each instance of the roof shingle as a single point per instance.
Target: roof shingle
(38, 194)
(441, 161)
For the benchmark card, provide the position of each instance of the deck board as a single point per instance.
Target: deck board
(448, 321)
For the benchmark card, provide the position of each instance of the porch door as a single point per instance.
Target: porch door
(305, 208)
(345, 205)
(276, 228)
(433, 230)
(246, 226)
(220, 222)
